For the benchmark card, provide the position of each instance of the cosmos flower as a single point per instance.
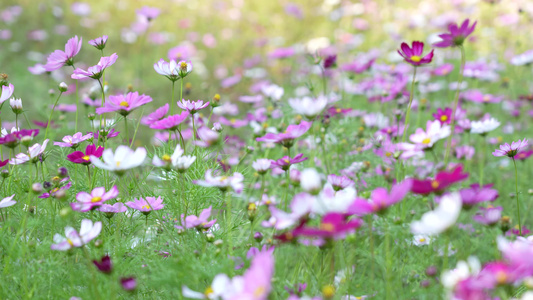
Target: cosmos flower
(34, 152)
(178, 161)
(8, 201)
(95, 199)
(74, 141)
(87, 233)
(262, 165)
(332, 226)
(286, 138)
(146, 205)
(380, 199)
(434, 132)
(510, 150)
(522, 155)
(168, 69)
(309, 107)
(223, 183)
(339, 182)
(99, 42)
(489, 215)
(148, 12)
(192, 106)
(484, 126)
(123, 159)
(113, 209)
(444, 116)
(441, 182)
(440, 219)
(157, 115)
(286, 162)
(79, 157)
(413, 54)
(456, 35)
(170, 122)
(96, 71)
(479, 97)
(207, 137)
(124, 105)
(104, 265)
(7, 92)
(201, 221)
(476, 194)
(60, 58)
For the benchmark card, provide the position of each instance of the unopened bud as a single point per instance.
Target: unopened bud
(63, 87)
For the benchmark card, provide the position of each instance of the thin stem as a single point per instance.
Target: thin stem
(77, 107)
(50, 117)
(517, 200)
(481, 160)
(137, 128)
(456, 103)
(411, 94)
(126, 130)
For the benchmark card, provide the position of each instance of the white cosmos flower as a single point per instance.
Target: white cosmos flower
(484, 126)
(310, 181)
(88, 232)
(462, 271)
(273, 91)
(330, 201)
(440, 219)
(8, 201)
(308, 107)
(433, 133)
(177, 160)
(123, 159)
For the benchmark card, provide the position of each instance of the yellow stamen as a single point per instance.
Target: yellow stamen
(426, 141)
(70, 242)
(86, 158)
(96, 199)
(259, 291)
(422, 240)
(486, 98)
(146, 206)
(208, 291)
(501, 277)
(166, 157)
(416, 58)
(327, 227)
(444, 118)
(124, 104)
(434, 184)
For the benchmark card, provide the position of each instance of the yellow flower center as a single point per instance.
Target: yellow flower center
(96, 199)
(327, 227)
(486, 98)
(166, 157)
(252, 206)
(69, 241)
(338, 110)
(124, 104)
(286, 160)
(54, 190)
(444, 118)
(233, 121)
(434, 184)
(388, 154)
(259, 291)
(117, 164)
(422, 240)
(416, 58)
(85, 158)
(146, 206)
(208, 291)
(328, 291)
(426, 141)
(501, 277)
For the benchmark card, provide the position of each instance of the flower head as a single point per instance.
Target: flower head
(413, 54)
(73, 238)
(170, 122)
(287, 138)
(7, 92)
(123, 159)
(99, 42)
(74, 141)
(201, 221)
(146, 205)
(442, 181)
(380, 199)
(309, 107)
(192, 106)
(104, 265)
(79, 157)
(34, 152)
(456, 35)
(510, 150)
(440, 219)
(97, 70)
(124, 105)
(484, 126)
(61, 58)
(8, 201)
(157, 115)
(223, 183)
(286, 162)
(434, 132)
(168, 69)
(95, 199)
(332, 226)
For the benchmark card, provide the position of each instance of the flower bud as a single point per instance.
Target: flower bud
(63, 87)
(62, 172)
(218, 243)
(37, 188)
(210, 237)
(431, 271)
(216, 101)
(60, 194)
(91, 116)
(5, 173)
(258, 237)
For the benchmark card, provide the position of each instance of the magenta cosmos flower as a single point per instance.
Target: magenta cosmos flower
(489, 215)
(456, 35)
(442, 181)
(79, 157)
(380, 199)
(286, 162)
(124, 105)
(72, 238)
(157, 115)
(413, 54)
(96, 71)
(192, 106)
(287, 138)
(74, 140)
(99, 42)
(477, 194)
(201, 221)
(444, 116)
(332, 226)
(170, 122)
(146, 206)
(510, 150)
(60, 58)
(96, 198)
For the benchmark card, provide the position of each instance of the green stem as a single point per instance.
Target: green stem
(411, 94)
(481, 160)
(456, 103)
(126, 130)
(50, 117)
(517, 200)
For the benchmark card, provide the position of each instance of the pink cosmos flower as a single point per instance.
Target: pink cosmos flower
(170, 122)
(34, 152)
(8, 201)
(413, 54)
(97, 70)
(124, 105)
(4, 163)
(282, 53)
(339, 182)
(234, 123)
(168, 69)
(476, 194)
(489, 215)
(466, 152)
(207, 137)
(357, 66)
(510, 150)
(79, 157)
(96, 198)
(380, 199)
(74, 141)
(286, 138)
(523, 155)
(157, 115)
(146, 206)
(201, 221)
(456, 35)
(286, 162)
(444, 116)
(63, 185)
(479, 97)
(442, 181)
(60, 58)
(443, 69)
(113, 209)
(7, 91)
(332, 226)
(192, 106)
(88, 232)
(148, 12)
(99, 42)
(223, 183)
